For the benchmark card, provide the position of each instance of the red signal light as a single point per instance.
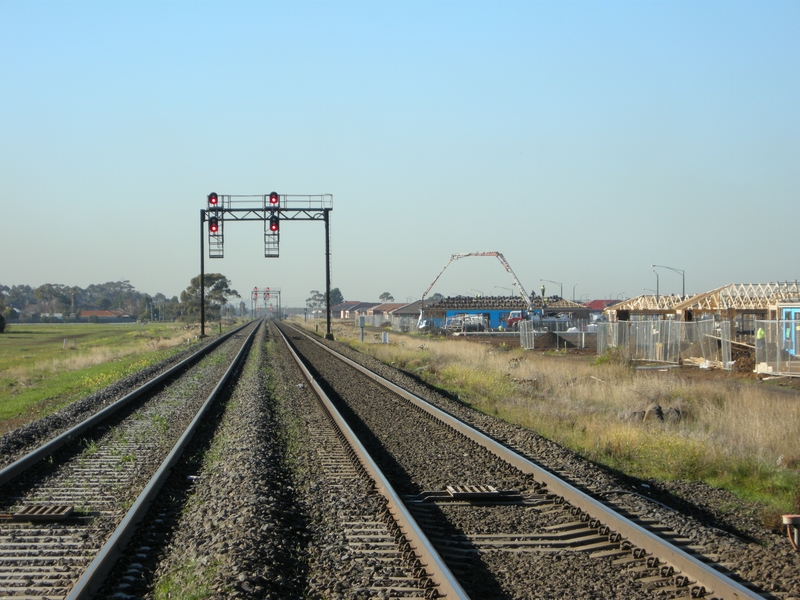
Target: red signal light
(274, 199)
(213, 225)
(274, 223)
(213, 199)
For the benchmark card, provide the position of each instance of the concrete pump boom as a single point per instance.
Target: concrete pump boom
(499, 257)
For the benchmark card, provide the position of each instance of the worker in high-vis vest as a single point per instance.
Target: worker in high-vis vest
(760, 339)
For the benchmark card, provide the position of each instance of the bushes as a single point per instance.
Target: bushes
(2, 323)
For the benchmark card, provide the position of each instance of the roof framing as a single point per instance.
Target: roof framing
(735, 297)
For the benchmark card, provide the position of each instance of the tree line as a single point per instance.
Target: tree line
(54, 302)
(63, 303)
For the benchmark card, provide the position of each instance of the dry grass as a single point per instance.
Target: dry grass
(732, 433)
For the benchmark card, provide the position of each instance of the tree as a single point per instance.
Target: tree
(316, 300)
(54, 298)
(437, 297)
(2, 323)
(217, 292)
(144, 310)
(386, 297)
(117, 294)
(20, 296)
(336, 297)
(170, 310)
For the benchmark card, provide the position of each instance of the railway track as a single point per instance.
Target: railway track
(332, 483)
(499, 520)
(71, 504)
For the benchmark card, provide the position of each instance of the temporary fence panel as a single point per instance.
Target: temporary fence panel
(404, 324)
(370, 320)
(777, 347)
(725, 344)
(527, 335)
(668, 341)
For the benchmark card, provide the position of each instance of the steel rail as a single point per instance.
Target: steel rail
(714, 582)
(29, 460)
(435, 566)
(105, 559)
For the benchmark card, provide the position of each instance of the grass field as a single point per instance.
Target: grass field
(44, 367)
(733, 433)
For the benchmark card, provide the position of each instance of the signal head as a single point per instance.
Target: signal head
(213, 225)
(274, 223)
(274, 199)
(213, 199)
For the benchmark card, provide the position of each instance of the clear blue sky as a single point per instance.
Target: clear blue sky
(583, 140)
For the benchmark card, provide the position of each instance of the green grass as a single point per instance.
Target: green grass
(50, 393)
(184, 583)
(40, 373)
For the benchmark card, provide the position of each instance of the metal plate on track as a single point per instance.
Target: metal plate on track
(469, 493)
(43, 512)
(472, 492)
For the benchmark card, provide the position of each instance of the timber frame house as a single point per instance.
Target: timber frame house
(729, 301)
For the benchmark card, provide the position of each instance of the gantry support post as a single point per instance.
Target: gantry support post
(202, 276)
(328, 335)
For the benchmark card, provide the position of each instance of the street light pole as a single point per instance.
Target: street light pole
(683, 277)
(657, 294)
(559, 284)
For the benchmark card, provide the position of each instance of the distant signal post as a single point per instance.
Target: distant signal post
(269, 296)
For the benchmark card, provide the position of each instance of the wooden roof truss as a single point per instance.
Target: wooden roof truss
(743, 297)
(737, 297)
(647, 304)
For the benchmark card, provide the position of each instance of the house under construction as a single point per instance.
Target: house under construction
(760, 316)
(739, 303)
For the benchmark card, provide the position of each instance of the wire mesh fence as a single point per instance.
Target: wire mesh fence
(776, 347)
(527, 335)
(395, 323)
(703, 343)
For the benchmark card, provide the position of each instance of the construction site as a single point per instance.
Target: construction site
(747, 327)
(752, 326)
